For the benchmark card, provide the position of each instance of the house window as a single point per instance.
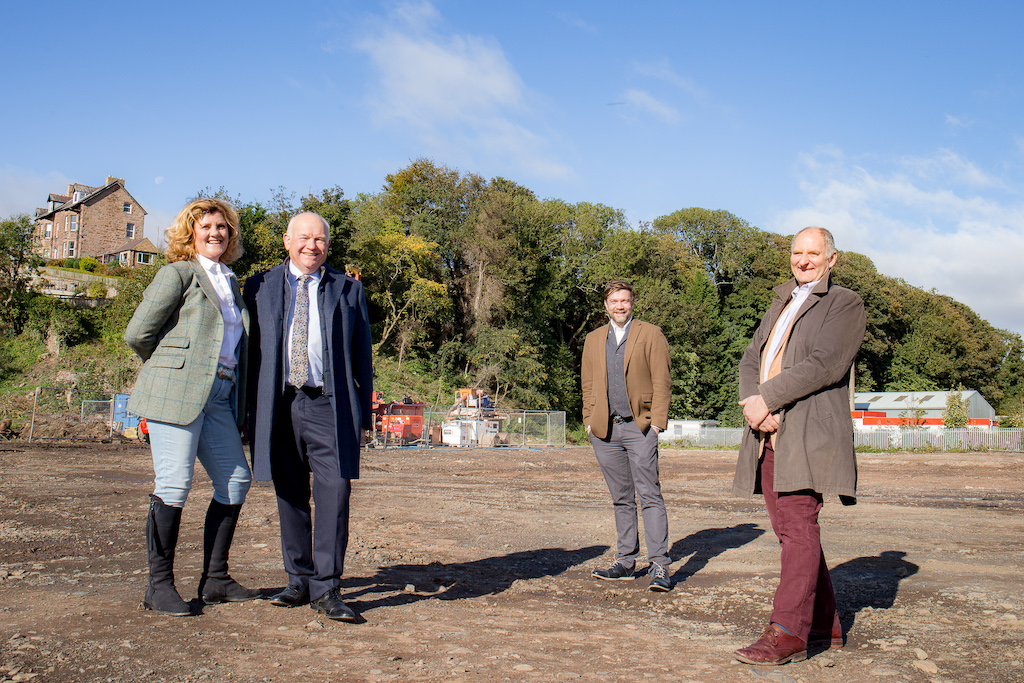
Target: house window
(72, 223)
(78, 196)
(71, 249)
(145, 259)
(49, 230)
(129, 231)
(122, 257)
(127, 207)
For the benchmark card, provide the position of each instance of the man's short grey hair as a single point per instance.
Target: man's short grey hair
(830, 242)
(327, 226)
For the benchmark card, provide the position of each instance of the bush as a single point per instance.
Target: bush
(71, 263)
(88, 264)
(97, 290)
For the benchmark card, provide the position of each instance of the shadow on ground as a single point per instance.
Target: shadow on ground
(460, 580)
(869, 582)
(706, 544)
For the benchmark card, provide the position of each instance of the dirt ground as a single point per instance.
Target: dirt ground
(474, 565)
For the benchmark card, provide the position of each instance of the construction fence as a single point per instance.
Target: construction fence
(65, 414)
(912, 439)
(427, 425)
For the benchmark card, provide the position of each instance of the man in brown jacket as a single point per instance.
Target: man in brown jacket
(627, 386)
(794, 386)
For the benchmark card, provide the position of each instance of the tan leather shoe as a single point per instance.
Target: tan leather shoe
(773, 648)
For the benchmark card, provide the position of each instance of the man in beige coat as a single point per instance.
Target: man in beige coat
(627, 386)
(798, 447)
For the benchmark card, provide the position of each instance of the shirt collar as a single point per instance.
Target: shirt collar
(294, 273)
(211, 266)
(625, 325)
(803, 290)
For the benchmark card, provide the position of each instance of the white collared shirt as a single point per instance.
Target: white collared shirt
(314, 340)
(220, 277)
(798, 297)
(620, 332)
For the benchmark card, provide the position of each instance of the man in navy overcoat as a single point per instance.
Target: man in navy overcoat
(310, 386)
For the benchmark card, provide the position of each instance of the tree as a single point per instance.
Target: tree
(957, 413)
(17, 260)
(397, 270)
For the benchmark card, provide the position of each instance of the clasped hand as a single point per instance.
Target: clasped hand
(757, 415)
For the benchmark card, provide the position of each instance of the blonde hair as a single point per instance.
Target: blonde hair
(181, 236)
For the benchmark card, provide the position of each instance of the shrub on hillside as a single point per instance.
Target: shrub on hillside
(88, 264)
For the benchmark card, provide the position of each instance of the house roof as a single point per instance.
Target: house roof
(904, 400)
(140, 245)
(66, 201)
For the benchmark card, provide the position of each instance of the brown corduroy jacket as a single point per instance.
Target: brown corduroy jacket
(648, 369)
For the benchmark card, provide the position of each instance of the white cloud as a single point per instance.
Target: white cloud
(663, 71)
(22, 191)
(937, 222)
(447, 87)
(644, 101)
(957, 122)
(576, 22)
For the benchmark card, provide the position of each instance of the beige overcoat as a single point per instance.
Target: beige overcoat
(814, 445)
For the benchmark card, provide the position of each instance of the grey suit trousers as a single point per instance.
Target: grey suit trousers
(629, 462)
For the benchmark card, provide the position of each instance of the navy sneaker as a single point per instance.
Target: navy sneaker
(616, 572)
(660, 582)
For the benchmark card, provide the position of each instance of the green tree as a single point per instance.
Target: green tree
(17, 261)
(398, 269)
(957, 413)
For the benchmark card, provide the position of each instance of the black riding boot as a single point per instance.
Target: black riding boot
(215, 584)
(162, 526)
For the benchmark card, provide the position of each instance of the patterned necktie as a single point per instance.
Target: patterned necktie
(298, 363)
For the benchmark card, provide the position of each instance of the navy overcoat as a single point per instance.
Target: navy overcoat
(348, 361)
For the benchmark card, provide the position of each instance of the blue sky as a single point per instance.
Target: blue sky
(897, 125)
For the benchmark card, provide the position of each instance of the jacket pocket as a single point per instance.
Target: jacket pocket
(646, 400)
(167, 360)
(175, 342)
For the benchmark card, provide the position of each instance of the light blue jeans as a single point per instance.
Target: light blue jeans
(213, 438)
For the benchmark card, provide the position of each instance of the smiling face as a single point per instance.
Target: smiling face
(307, 242)
(809, 258)
(211, 235)
(619, 305)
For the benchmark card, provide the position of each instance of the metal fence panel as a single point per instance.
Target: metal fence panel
(424, 424)
(71, 414)
(995, 439)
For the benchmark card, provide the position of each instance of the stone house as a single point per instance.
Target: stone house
(140, 252)
(89, 221)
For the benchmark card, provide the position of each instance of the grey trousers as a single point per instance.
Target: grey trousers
(629, 461)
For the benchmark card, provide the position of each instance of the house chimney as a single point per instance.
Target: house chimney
(111, 179)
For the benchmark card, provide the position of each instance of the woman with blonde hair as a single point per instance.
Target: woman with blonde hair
(191, 331)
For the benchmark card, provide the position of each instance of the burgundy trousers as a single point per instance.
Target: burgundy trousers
(804, 601)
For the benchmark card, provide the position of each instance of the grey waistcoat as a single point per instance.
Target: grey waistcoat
(615, 358)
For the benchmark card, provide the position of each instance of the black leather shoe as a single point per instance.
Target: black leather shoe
(617, 572)
(292, 596)
(331, 606)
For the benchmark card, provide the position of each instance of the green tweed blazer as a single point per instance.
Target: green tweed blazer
(177, 331)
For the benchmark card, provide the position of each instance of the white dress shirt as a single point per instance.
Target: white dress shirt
(220, 277)
(315, 345)
(798, 297)
(620, 332)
